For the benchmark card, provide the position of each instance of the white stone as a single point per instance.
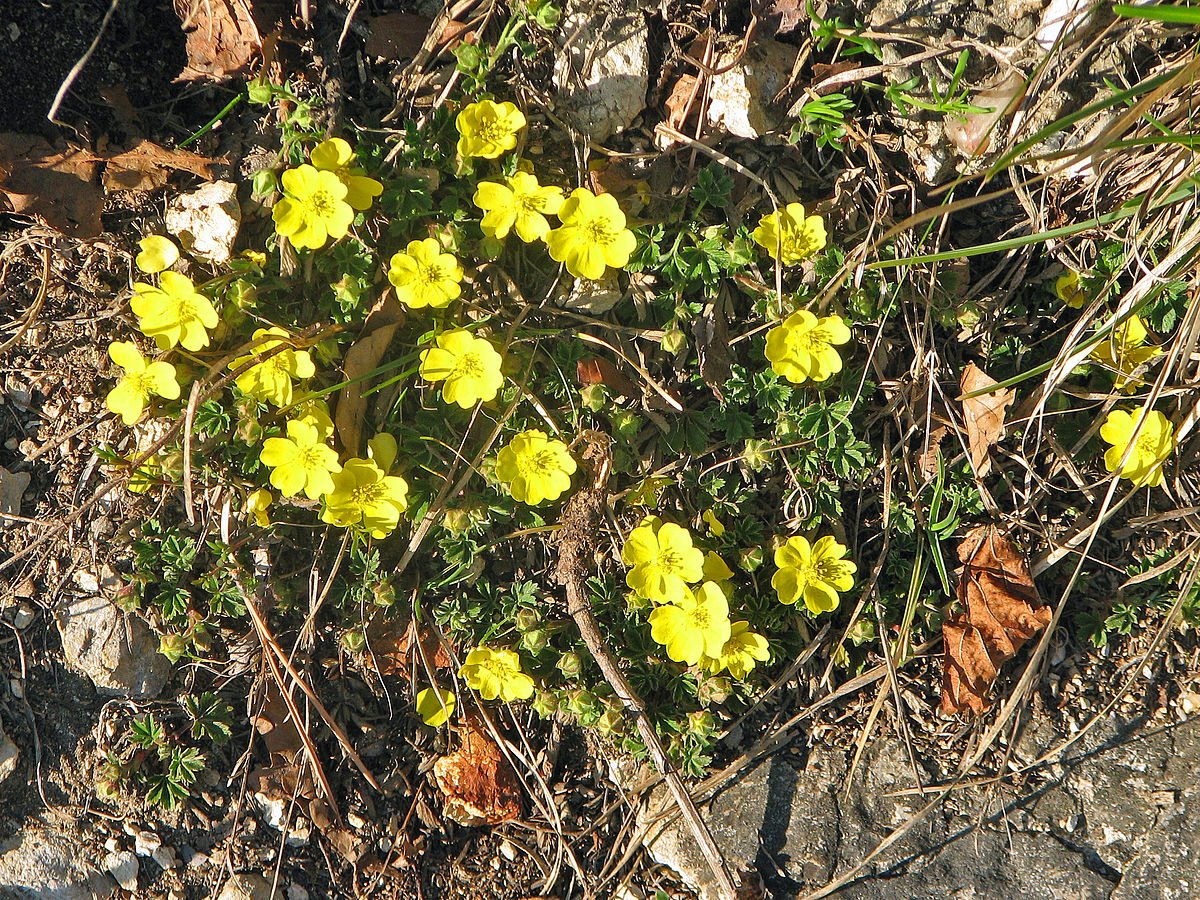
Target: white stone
(118, 653)
(145, 843)
(739, 98)
(10, 755)
(123, 866)
(206, 221)
(165, 857)
(606, 96)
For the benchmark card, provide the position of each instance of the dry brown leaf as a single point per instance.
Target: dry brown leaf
(479, 785)
(984, 415)
(598, 370)
(394, 646)
(396, 35)
(1003, 611)
(58, 186)
(147, 166)
(681, 102)
(222, 38)
(362, 358)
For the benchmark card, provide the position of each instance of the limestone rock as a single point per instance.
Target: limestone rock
(206, 221)
(10, 755)
(602, 73)
(118, 653)
(45, 864)
(739, 99)
(248, 887)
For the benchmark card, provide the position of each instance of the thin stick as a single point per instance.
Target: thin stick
(580, 521)
(78, 67)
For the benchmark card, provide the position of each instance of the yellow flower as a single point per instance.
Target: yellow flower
(696, 626)
(496, 674)
(535, 468)
(174, 312)
(425, 276)
(300, 461)
(435, 706)
(257, 505)
(1152, 444)
(314, 411)
(488, 129)
(142, 381)
(592, 235)
(364, 495)
(741, 653)
(789, 236)
(713, 523)
(519, 203)
(803, 347)
(1125, 350)
(336, 155)
(467, 366)
(158, 253)
(313, 208)
(271, 379)
(662, 560)
(815, 572)
(1068, 290)
(383, 450)
(715, 568)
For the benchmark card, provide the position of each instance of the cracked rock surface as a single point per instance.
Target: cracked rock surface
(1117, 819)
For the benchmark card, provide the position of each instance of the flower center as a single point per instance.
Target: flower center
(598, 231)
(310, 458)
(700, 617)
(142, 383)
(367, 494)
(539, 463)
(469, 365)
(1147, 445)
(431, 274)
(491, 131)
(322, 203)
(668, 560)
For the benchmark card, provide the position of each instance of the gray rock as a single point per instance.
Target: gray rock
(43, 864)
(118, 653)
(1165, 865)
(123, 866)
(206, 221)
(602, 72)
(10, 756)
(739, 98)
(248, 887)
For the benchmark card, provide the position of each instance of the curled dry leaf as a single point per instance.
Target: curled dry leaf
(147, 166)
(973, 133)
(598, 370)
(479, 785)
(1002, 611)
(395, 647)
(984, 415)
(361, 360)
(222, 38)
(55, 185)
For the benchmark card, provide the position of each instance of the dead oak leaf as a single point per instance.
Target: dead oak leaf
(479, 785)
(983, 414)
(1002, 611)
(361, 360)
(55, 185)
(147, 166)
(222, 38)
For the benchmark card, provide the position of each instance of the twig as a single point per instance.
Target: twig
(581, 518)
(78, 67)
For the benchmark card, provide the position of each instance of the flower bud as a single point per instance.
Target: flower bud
(535, 641)
(570, 664)
(750, 558)
(527, 620)
(354, 640)
(714, 690)
(172, 646)
(701, 723)
(545, 704)
(756, 455)
(673, 340)
(593, 397)
(384, 593)
(581, 703)
(611, 723)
